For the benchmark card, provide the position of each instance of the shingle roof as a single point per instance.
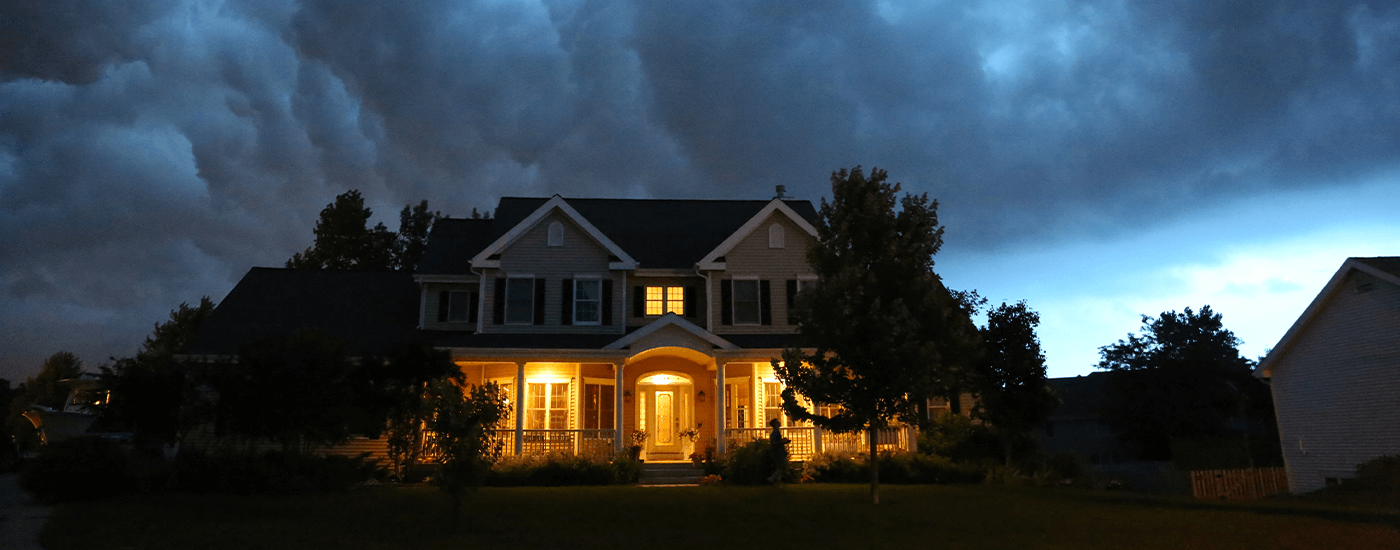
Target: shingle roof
(370, 310)
(1388, 264)
(657, 233)
(1080, 396)
(452, 244)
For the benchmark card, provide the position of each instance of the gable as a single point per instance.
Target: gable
(763, 219)
(532, 251)
(490, 257)
(754, 254)
(1363, 295)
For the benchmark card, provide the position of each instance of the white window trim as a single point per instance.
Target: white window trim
(776, 236)
(647, 301)
(519, 276)
(575, 309)
(758, 303)
(556, 234)
(466, 306)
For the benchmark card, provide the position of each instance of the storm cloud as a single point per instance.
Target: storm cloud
(151, 152)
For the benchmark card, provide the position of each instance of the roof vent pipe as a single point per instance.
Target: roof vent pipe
(782, 192)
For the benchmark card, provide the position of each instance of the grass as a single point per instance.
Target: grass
(795, 516)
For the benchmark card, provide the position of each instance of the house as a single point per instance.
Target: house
(600, 318)
(1335, 376)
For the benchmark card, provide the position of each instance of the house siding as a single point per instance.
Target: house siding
(752, 257)
(531, 254)
(1336, 390)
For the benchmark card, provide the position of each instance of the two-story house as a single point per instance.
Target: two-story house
(602, 318)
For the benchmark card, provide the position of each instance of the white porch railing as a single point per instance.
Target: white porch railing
(589, 443)
(805, 441)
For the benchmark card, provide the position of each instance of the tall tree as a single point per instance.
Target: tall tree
(344, 241)
(1010, 385)
(1181, 376)
(149, 392)
(882, 329)
(414, 224)
(460, 420)
(47, 388)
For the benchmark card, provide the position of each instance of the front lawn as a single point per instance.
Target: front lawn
(795, 516)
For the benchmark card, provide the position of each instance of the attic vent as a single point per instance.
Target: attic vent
(775, 236)
(781, 191)
(556, 234)
(1364, 287)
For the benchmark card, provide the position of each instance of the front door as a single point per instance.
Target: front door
(663, 421)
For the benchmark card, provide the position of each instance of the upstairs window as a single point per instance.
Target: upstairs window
(520, 301)
(556, 234)
(775, 236)
(587, 301)
(665, 299)
(461, 307)
(746, 302)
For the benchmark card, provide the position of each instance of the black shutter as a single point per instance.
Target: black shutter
(607, 302)
(539, 301)
(499, 307)
(791, 301)
(566, 308)
(443, 298)
(474, 304)
(765, 295)
(692, 301)
(639, 301)
(726, 299)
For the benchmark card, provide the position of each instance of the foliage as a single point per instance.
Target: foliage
(710, 462)
(81, 468)
(883, 329)
(899, 468)
(1182, 376)
(955, 436)
(753, 464)
(148, 390)
(343, 240)
(47, 388)
(558, 469)
(1010, 380)
(395, 387)
(460, 421)
(267, 473)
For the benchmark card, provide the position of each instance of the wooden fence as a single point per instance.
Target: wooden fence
(1247, 484)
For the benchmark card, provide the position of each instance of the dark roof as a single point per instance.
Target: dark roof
(657, 233)
(760, 341)
(370, 310)
(1080, 396)
(452, 244)
(540, 341)
(1388, 264)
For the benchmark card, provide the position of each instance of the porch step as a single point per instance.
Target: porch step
(670, 473)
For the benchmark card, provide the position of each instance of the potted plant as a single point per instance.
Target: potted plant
(690, 434)
(639, 438)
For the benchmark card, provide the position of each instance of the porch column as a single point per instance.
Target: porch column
(520, 390)
(816, 438)
(719, 406)
(617, 407)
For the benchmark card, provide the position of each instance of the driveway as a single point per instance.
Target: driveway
(20, 519)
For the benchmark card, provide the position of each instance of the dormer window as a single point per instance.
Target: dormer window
(556, 234)
(775, 236)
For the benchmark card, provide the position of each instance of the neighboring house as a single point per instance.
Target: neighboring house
(1336, 376)
(1077, 425)
(599, 317)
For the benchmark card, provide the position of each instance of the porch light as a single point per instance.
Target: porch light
(700, 396)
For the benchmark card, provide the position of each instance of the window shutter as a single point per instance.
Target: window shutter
(765, 296)
(791, 301)
(639, 301)
(726, 298)
(443, 298)
(607, 302)
(539, 301)
(499, 307)
(692, 301)
(475, 304)
(566, 309)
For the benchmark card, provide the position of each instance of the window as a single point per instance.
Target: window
(556, 234)
(598, 407)
(459, 307)
(547, 406)
(775, 236)
(736, 405)
(772, 403)
(587, 299)
(665, 299)
(746, 302)
(520, 301)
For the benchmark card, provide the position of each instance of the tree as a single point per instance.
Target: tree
(414, 224)
(459, 423)
(47, 388)
(1010, 385)
(882, 329)
(149, 392)
(398, 390)
(1182, 376)
(343, 241)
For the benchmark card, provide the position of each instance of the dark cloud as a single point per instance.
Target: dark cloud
(150, 152)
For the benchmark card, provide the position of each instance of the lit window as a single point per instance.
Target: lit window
(556, 234)
(587, 299)
(668, 299)
(598, 407)
(746, 303)
(775, 236)
(736, 405)
(772, 402)
(547, 406)
(520, 301)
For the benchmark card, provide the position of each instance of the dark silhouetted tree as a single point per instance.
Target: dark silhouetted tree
(1010, 382)
(396, 388)
(344, 241)
(460, 421)
(882, 330)
(414, 224)
(149, 391)
(1181, 376)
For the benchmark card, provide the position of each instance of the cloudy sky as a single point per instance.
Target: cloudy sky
(1099, 159)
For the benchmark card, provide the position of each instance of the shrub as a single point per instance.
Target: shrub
(268, 473)
(752, 464)
(955, 436)
(558, 469)
(895, 468)
(1379, 474)
(82, 468)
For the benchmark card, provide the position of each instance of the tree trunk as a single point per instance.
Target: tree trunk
(874, 464)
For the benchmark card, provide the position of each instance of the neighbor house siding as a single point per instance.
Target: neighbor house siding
(753, 258)
(531, 254)
(1336, 390)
